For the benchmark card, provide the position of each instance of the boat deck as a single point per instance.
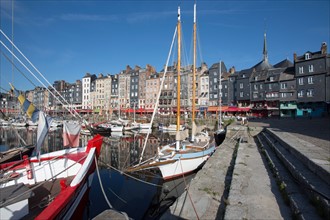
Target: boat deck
(43, 195)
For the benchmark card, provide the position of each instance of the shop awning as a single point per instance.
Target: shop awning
(228, 109)
(138, 111)
(244, 109)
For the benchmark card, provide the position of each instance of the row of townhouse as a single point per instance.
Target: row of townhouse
(284, 89)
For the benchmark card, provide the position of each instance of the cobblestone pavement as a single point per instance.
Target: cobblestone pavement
(315, 131)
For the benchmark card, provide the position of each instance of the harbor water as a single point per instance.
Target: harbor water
(141, 195)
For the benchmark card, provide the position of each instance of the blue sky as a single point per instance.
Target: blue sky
(66, 39)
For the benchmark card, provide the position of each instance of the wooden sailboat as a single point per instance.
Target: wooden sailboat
(220, 133)
(16, 153)
(182, 156)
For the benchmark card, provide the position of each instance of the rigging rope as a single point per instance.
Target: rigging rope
(21, 72)
(74, 113)
(158, 95)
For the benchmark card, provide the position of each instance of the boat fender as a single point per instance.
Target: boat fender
(29, 173)
(63, 184)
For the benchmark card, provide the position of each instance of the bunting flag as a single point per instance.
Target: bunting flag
(43, 127)
(27, 106)
(71, 134)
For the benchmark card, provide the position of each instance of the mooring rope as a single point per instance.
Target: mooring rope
(137, 179)
(103, 192)
(101, 185)
(187, 187)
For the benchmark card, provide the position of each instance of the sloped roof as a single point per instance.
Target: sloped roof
(263, 65)
(216, 66)
(261, 76)
(283, 63)
(288, 74)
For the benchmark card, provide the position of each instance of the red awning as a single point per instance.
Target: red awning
(181, 110)
(140, 110)
(84, 110)
(232, 109)
(213, 108)
(244, 109)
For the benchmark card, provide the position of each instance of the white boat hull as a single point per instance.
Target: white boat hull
(181, 167)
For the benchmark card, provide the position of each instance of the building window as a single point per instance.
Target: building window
(255, 87)
(284, 85)
(310, 92)
(311, 68)
(301, 81)
(241, 94)
(270, 86)
(301, 69)
(310, 80)
(241, 85)
(271, 79)
(307, 56)
(301, 93)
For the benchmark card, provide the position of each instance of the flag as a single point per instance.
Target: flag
(27, 106)
(43, 127)
(71, 134)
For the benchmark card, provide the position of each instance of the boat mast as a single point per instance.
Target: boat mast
(194, 76)
(220, 120)
(178, 84)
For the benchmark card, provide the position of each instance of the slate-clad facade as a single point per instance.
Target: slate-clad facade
(311, 73)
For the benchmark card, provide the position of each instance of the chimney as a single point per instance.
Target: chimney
(128, 68)
(324, 48)
(232, 70)
(294, 56)
(137, 68)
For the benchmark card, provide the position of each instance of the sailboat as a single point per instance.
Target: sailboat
(47, 185)
(183, 156)
(220, 133)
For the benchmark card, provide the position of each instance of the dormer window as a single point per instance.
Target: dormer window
(271, 79)
(308, 56)
(256, 78)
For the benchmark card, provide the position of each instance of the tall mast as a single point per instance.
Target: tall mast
(194, 74)
(178, 84)
(219, 125)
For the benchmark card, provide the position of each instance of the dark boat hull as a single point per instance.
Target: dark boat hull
(16, 154)
(220, 136)
(101, 131)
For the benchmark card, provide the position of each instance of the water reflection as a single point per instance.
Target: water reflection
(142, 195)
